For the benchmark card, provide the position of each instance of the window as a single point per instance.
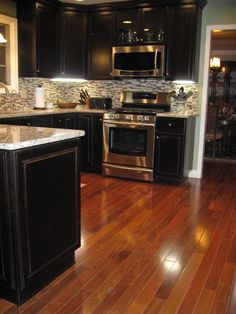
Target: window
(8, 52)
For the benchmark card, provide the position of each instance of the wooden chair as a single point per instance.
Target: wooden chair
(213, 134)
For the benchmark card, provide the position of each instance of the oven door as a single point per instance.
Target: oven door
(128, 143)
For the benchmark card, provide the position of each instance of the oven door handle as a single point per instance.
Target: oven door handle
(128, 123)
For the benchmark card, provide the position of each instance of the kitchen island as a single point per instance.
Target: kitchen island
(39, 207)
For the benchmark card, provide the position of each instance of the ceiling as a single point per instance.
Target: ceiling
(88, 2)
(223, 44)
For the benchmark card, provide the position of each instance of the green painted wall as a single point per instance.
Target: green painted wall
(216, 12)
(8, 7)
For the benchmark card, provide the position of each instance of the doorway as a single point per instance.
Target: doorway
(220, 135)
(205, 90)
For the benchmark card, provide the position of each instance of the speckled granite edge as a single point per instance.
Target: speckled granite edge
(17, 137)
(40, 112)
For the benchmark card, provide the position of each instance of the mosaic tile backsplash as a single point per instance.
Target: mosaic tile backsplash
(25, 99)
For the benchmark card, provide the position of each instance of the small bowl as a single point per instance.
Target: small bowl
(67, 105)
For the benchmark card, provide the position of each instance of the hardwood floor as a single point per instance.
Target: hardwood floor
(150, 248)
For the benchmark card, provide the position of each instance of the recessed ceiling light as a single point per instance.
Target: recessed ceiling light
(127, 22)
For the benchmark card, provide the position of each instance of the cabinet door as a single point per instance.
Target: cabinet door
(100, 45)
(85, 123)
(7, 278)
(58, 121)
(127, 27)
(72, 44)
(153, 25)
(46, 40)
(182, 45)
(97, 142)
(70, 121)
(169, 156)
(49, 211)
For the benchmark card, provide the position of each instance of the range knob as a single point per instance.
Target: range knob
(117, 116)
(128, 117)
(111, 116)
(139, 118)
(146, 118)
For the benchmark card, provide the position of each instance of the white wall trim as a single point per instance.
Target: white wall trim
(204, 97)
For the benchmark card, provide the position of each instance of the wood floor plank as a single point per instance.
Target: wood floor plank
(148, 249)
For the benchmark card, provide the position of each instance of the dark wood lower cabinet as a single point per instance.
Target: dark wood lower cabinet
(174, 148)
(91, 123)
(40, 216)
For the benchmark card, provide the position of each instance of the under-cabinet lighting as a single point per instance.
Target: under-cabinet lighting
(2, 39)
(184, 82)
(68, 80)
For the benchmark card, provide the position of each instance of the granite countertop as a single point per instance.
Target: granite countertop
(16, 137)
(35, 112)
(78, 109)
(171, 114)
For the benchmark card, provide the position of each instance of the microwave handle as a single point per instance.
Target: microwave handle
(155, 62)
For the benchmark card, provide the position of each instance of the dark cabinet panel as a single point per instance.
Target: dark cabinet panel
(40, 216)
(169, 149)
(174, 148)
(46, 40)
(140, 26)
(183, 42)
(58, 121)
(70, 121)
(153, 25)
(97, 142)
(37, 38)
(72, 43)
(100, 44)
(85, 123)
(127, 26)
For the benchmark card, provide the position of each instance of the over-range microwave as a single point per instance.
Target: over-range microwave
(138, 61)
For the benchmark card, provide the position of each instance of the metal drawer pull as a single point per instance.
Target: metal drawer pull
(170, 124)
(157, 137)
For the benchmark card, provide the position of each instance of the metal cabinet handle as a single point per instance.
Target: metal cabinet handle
(29, 124)
(170, 124)
(157, 137)
(100, 120)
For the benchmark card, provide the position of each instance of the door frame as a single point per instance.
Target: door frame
(204, 95)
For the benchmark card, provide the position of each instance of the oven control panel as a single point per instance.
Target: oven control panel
(130, 117)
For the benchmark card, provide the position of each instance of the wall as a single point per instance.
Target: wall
(8, 7)
(216, 12)
(110, 88)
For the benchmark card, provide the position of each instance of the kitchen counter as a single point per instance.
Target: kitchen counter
(16, 137)
(39, 208)
(35, 112)
(79, 109)
(178, 114)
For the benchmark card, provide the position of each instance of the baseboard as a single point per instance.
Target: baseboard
(194, 174)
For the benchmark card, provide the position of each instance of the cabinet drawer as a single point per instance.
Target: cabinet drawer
(171, 125)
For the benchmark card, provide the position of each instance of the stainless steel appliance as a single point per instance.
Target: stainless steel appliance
(138, 61)
(129, 136)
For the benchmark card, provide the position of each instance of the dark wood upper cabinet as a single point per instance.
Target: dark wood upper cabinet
(37, 38)
(46, 40)
(127, 28)
(183, 40)
(140, 26)
(72, 43)
(100, 44)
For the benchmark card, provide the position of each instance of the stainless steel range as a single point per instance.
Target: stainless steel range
(129, 136)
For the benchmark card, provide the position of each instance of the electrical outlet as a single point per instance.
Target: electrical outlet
(23, 94)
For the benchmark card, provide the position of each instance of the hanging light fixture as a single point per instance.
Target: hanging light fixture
(2, 39)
